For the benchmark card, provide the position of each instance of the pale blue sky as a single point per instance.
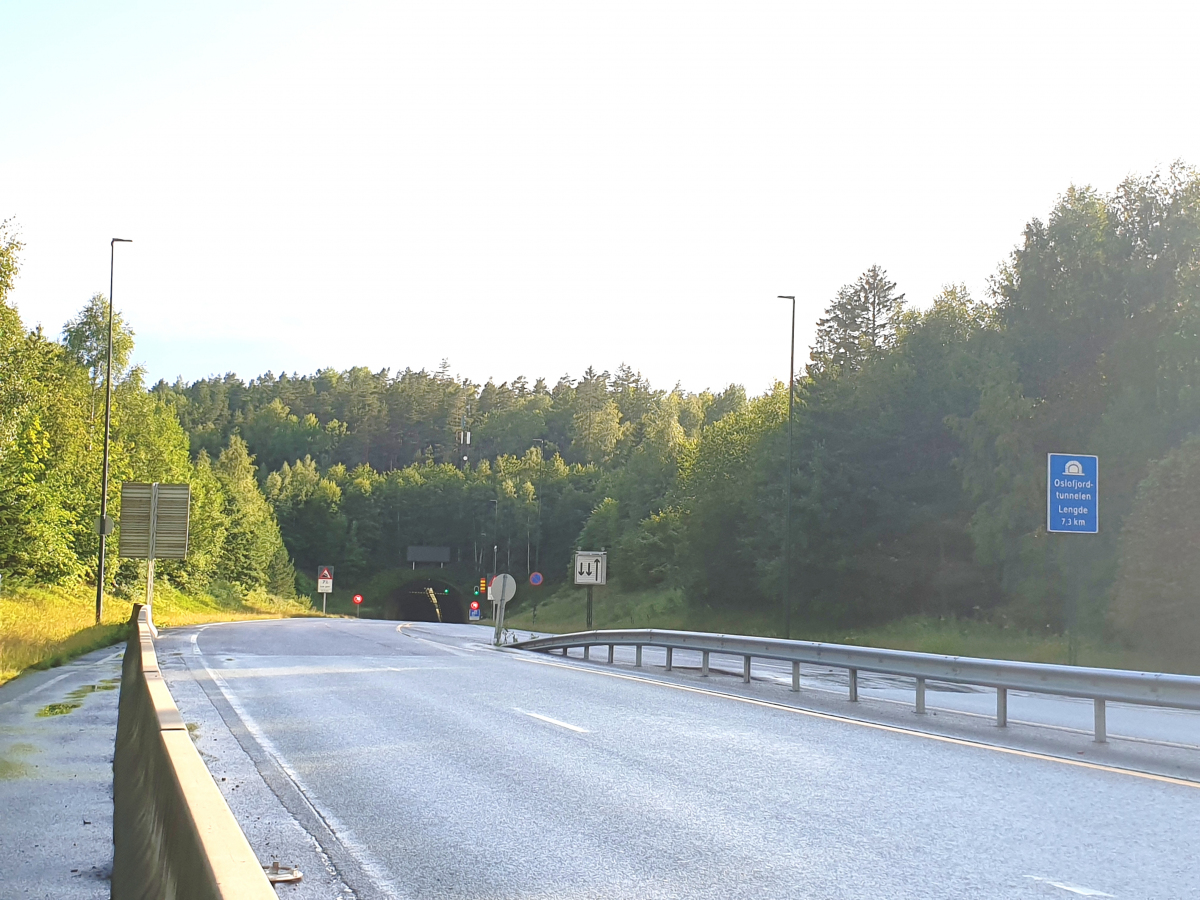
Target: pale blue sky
(530, 188)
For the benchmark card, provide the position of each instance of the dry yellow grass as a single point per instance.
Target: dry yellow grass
(46, 626)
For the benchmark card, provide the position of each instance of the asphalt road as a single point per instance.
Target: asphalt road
(425, 764)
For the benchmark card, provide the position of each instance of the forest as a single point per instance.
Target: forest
(920, 438)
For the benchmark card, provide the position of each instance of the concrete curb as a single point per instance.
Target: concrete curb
(173, 834)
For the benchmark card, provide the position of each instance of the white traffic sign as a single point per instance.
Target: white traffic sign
(591, 567)
(503, 588)
(324, 579)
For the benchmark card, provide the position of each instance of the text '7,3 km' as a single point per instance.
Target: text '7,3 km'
(1073, 493)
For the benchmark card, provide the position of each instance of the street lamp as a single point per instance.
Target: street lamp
(787, 483)
(104, 527)
(495, 535)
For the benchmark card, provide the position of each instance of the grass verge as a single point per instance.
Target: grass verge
(42, 627)
(566, 610)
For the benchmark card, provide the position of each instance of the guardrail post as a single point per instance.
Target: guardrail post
(564, 651)
(921, 696)
(610, 653)
(587, 651)
(795, 676)
(853, 685)
(746, 671)
(1002, 707)
(638, 657)
(1101, 725)
(669, 658)
(704, 664)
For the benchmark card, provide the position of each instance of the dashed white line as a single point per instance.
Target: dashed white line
(1067, 886)
(541, 718)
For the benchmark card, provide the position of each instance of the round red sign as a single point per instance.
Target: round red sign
(358, 598)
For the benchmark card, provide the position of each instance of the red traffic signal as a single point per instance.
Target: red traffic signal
(474, 604)
(358, 598)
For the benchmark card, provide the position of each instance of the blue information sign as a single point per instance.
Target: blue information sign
(1073, 493)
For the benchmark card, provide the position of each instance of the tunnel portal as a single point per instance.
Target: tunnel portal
(411, 602)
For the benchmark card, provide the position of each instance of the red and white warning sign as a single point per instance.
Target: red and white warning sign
(324, 579)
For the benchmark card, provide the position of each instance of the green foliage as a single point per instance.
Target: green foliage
(51, 437)
(918, 447)
(859, 324)
(86, 340)
(253, 555)
(1156, 606)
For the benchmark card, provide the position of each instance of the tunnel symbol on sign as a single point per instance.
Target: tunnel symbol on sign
(1073, 467)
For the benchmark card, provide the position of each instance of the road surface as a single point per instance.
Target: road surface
(426, 764)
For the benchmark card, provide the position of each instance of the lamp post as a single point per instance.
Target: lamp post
(787, 483)
(104, 528)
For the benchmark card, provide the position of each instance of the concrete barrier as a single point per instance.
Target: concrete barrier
(173, 834)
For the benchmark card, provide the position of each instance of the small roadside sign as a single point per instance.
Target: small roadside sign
(591, 567)
(1072, 493)
(502, 589)
(476, 613)
(324, 579)
(535, 579)
(357, 598)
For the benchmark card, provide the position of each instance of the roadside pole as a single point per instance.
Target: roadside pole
(502, 589)
(150, 555)
(324, 584)
(1072, 507)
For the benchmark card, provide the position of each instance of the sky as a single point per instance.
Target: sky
(534, 188)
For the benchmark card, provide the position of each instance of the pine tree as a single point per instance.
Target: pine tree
(859, 324)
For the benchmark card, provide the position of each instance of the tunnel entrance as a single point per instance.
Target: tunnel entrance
(412, 602)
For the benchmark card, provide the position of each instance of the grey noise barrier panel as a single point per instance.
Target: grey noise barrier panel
(1098, 685)
(173, 834)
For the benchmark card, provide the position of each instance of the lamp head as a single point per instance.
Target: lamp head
(120, 241)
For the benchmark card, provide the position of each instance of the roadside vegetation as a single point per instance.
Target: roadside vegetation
(41, 627)
(917, 492)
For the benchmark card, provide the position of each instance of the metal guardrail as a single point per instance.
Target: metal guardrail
(173, 834)
(1098, 685)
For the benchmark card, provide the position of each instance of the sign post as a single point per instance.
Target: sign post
(357, 605)
(591, 569)
(1072, 507)
(154, 525)
(324, 584)
(502, 589)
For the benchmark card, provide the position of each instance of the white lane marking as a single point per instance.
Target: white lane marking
(1072, 888)
(347, 838)
(455, 651)
(540, 717)
(521, 656)
(452, 650)
(808, 685)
